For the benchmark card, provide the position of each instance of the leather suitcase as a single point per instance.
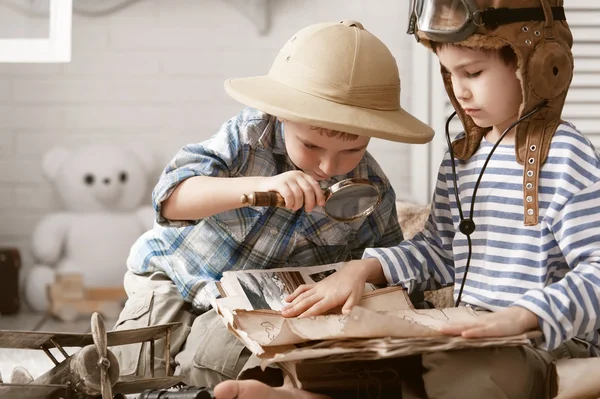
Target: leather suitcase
(10, 264)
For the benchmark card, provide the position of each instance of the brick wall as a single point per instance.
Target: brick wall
(154, 73)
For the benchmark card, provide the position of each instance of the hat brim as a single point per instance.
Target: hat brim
(272, 97)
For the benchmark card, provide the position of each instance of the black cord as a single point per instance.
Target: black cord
(466, 225)
(455, 179)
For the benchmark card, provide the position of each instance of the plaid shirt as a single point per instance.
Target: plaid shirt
(194, 254)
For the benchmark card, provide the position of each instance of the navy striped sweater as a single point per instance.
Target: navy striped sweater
(552, 268)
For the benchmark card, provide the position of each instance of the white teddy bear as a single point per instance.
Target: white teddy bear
(102, 188)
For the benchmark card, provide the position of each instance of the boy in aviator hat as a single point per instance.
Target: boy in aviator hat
(515, 222)
(332, 87)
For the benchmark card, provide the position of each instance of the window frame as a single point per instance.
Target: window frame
(55, 48)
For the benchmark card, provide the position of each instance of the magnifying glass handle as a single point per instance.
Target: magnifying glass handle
(263, 198)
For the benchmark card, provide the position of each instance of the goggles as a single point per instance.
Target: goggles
(452, 21)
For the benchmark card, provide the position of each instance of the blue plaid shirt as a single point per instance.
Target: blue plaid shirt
(194, 254)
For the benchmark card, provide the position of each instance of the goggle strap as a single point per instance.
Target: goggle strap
(493, 17)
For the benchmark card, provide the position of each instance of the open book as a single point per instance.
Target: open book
(252, 299)
(266, 289)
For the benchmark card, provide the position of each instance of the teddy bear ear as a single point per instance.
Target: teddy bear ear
(144, 155)
(53, 160)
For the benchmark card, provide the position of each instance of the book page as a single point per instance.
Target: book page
(269, 328)
(349, 350)
(266, 289)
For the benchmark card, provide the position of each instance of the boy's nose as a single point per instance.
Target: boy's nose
(461, 92)
(463, 95)
(327, 166)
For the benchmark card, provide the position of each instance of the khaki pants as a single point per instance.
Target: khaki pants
(503, 373)
(507, 373)
(202, 351)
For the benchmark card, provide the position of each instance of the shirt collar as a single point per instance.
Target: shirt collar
(273, 137)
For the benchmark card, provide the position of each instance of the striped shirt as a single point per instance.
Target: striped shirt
(551, 269)
(195, 253)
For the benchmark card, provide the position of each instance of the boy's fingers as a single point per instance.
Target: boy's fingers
(457, 329)
(298, 291)
(477, 332)
(301, 306)
(317, 308)
(319, 195)
(490, 330)
(308, 193)
(468, 330)
(298, 196)
(288, 196)
(303, 295)
(350, 302)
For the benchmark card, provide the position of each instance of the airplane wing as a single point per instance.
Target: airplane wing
(30, 391)
(41, 339)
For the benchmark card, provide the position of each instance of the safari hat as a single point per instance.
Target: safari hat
(337, 76)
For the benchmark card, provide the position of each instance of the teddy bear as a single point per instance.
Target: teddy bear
(102, 188)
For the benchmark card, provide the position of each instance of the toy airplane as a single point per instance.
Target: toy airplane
(93, 371)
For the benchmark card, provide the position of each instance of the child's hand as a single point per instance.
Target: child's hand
(297, 188)
(344, 287)
(510, 321)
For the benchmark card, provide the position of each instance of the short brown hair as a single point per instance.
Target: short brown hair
(505, 53)
(335, 133)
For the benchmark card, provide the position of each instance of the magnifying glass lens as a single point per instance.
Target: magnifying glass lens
(346, 200)
(352, 201)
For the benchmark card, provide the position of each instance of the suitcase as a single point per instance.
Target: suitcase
(10, 264)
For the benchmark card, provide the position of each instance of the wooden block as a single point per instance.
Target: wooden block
(106, 294)
(67, 286)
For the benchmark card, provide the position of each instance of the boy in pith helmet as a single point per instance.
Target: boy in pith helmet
(331, 88)
(515, 222)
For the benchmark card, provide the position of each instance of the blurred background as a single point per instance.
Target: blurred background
(149, 74)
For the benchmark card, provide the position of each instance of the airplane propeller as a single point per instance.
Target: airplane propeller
(100, 341)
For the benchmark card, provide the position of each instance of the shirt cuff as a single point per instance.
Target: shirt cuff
(163, 190)
(550, 339)
(392, 274)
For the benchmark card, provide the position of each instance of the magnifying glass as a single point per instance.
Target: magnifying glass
(345, 201)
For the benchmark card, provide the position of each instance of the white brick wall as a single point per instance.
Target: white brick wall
(154, 73)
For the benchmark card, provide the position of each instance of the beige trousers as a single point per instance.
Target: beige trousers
(202, 351)
(507, 373)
